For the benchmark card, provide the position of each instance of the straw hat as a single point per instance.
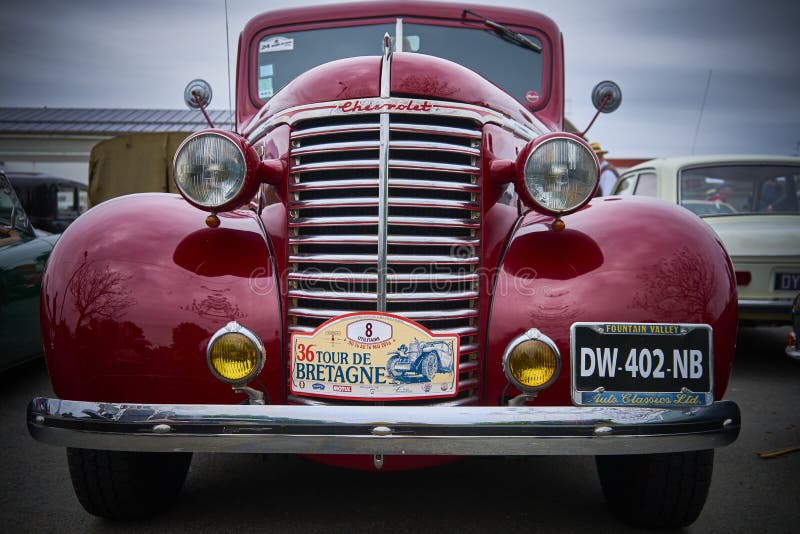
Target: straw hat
(597, 150)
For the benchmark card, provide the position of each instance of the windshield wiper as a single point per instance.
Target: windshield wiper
(505, 32)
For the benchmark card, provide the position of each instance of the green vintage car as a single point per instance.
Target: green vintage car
(753, 203)
(23, 254)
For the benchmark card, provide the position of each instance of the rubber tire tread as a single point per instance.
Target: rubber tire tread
(126, 485)
(657, 490)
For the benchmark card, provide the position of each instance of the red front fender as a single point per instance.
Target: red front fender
(135, 288)
(619, 260)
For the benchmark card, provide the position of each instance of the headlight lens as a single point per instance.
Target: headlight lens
(532, 361)
(560, 174)
(210, 169)
(235, 354)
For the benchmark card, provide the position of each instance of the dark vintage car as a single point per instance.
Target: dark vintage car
(51, 202)
(23, 255)
(399, 173)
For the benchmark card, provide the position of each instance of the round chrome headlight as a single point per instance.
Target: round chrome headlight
(560, 174)
(210, 169)
(235, 354)
(531, 361)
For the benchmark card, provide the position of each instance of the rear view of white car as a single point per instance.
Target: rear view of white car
(753, 203)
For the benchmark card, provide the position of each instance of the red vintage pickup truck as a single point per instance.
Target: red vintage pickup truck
(397, 258)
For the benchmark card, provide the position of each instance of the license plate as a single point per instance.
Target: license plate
(641, 364)
(374, 356)
(787, 281)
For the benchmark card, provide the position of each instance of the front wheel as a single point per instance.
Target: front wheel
(126, 485)
(656, 490)
(429, 366)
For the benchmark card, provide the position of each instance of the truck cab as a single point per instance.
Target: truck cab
(400, 176)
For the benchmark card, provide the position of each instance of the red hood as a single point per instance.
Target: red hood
(413, 75)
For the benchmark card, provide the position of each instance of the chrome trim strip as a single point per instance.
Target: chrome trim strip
(399, 221)
(464, 331)
(259, 126)
(431, 166)
(394, 201)
(429, 430)
(390, 297)
(336, 165)
(394, 163)
(386, 67)
(425, 315)
(465, 367)
(469, 348)
(434, 146)
(373, 258)
(353, 183)
(400, 183)
(434, 129)
(383, 201)
(392, 277)
(466, 384)
(361, 239)
(335, 147)
(339, 128)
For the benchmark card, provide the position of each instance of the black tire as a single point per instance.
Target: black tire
(126, 485)
(429, 366)
(656, 490)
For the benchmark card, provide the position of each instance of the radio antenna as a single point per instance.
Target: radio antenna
(702, 107)
(228, 55)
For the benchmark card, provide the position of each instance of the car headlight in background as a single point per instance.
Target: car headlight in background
(559, 174)
(235, 354)
(531, 361)
(214, 170)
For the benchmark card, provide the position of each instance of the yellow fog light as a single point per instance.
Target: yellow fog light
(531, 361)
(235, 354)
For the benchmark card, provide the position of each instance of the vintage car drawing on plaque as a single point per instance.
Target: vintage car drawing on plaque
(399, 183)
(424, 360)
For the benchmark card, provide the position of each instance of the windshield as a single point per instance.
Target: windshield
(516, 69)
(741, 189)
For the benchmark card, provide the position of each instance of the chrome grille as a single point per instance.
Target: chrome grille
(432, 225)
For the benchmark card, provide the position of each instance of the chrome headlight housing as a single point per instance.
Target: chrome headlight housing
(214, 170)
(532, 361)
(559, 174)
(235, 354)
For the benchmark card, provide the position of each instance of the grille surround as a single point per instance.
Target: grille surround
(412, 249)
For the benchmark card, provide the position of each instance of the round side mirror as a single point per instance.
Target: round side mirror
(606, 96)
(198, 87)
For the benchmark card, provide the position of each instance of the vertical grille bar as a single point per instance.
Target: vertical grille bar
(383, 210)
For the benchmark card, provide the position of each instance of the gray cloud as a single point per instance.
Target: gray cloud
(141, 54)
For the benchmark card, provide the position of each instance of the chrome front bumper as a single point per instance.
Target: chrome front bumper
(387, 430)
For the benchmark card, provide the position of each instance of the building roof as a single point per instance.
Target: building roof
(111, 122)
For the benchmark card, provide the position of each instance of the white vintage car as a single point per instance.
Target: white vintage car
(753, 203)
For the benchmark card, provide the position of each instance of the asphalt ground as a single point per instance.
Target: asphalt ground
(239, 493)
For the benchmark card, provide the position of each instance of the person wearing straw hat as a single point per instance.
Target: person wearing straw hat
(608, 174)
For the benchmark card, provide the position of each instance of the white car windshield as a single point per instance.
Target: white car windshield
(741, 189)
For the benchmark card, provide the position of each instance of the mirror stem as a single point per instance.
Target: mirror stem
(199, 100)
(602, 105)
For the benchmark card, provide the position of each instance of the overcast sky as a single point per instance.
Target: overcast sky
(141, 54)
